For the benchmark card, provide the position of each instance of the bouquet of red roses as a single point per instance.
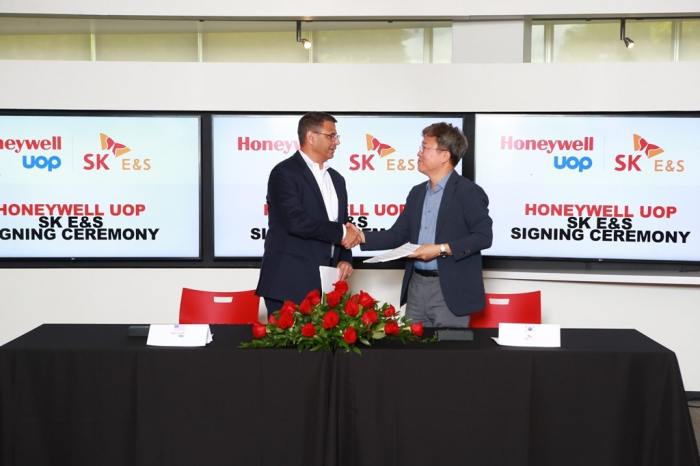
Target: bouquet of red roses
(335, 320)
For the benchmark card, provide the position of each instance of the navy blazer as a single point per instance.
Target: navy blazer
(463, 222)
(299, 234)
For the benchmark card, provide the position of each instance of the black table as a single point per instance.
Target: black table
(606, 397)
(90, 395)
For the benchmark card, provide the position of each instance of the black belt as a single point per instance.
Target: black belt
(427, 273)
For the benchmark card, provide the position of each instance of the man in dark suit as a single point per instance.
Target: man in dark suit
(449, 217)
(307, 212)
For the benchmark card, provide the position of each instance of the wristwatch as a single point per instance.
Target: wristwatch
(443, 252)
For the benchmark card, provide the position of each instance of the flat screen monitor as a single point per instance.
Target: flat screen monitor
(377, 156)
(107, 187)
(600, 187)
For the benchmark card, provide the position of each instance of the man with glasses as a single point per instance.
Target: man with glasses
(307, 212)
(449, 218)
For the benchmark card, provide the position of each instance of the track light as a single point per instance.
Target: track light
(629, 43)
(305, 42)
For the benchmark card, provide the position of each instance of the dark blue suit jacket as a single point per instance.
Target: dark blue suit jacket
(299, 234)
(463, 222)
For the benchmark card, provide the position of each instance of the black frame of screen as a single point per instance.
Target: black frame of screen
(207, 259)
(575, 265)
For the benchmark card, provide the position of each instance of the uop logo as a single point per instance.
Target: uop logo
(630, 162)
(115, 149)
(50, 163)
(551, 145)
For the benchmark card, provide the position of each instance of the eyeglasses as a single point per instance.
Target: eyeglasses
(422, 148)
(334, 136)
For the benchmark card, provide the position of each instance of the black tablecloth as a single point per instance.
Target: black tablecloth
(606, 397)
(90, 395)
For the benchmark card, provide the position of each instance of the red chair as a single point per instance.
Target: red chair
(511, 308)
(212, 307)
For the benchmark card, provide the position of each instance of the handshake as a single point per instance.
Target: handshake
(353, 236)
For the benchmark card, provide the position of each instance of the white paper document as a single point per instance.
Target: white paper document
(179, 335)
(329, 276)
(531, 335)
(398, 253)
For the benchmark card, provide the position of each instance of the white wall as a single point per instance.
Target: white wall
(492, 41)
(464, 87)
(665, 311)
(311, 9)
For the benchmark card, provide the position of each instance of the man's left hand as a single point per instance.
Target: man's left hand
(344, 270)
(426, 252)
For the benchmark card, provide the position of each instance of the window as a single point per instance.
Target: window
(689, 40)
(224, 41)
(655, 40)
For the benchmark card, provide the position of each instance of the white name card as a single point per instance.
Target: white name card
(179, 335)
(531, 335)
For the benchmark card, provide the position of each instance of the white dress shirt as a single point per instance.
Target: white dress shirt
(325, 184)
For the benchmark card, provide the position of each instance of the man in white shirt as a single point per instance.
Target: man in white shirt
(307, 212)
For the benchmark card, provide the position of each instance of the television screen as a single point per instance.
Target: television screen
(591, 186)
(99, 187)
(377, 156)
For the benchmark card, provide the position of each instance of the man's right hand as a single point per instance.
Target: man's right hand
(353, 236)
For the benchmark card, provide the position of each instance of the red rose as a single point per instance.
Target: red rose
(314, 297)
(288, 307)
(366, 300)
(305, 307)
(417, 329)
(355, 298)
(259, 330)
(389, 311)
(333, 298)
(330, 320)
(272, 319)
(341, 287)
(350, 335)
(369, 317)
(308, 330)
(286, 320)
(392, 328)
(351, 308)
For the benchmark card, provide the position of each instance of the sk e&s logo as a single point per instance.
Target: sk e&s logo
(112, 148)
(642, 147)
(29, 161)
(383, 150)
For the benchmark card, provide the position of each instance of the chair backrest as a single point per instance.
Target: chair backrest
(512, 308)
(213, 307)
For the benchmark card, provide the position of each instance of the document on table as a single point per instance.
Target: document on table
(398, 253)
(329, 277)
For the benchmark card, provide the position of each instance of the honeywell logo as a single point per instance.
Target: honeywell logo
(247, 144)
(547, 145)
(19, 145)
